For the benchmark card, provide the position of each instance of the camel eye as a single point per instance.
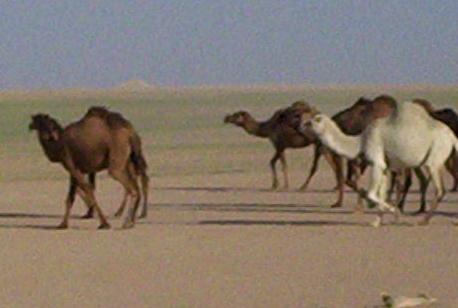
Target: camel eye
(318, 119)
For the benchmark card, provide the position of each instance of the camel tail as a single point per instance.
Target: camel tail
(141, 167)
(136, 156)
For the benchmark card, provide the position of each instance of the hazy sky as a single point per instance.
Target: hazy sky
(68, 43)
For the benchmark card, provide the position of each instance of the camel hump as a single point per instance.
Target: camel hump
(425, 104)
(382, 106)
(113, 119)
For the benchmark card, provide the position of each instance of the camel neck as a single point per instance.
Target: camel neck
(255, 128)
(337, 141)
(54, 150)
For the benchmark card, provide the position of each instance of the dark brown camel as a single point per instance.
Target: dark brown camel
(90, 145)
(282, 136)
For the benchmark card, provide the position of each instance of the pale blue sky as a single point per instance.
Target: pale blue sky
(100, 43)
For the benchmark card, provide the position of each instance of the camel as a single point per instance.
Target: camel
(409, 137)
(279, 135)
(140, 172)
(283, 136)
(100, 140)
(352, 121)
(450, 118)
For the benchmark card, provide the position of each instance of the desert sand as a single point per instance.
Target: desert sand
(215, 235)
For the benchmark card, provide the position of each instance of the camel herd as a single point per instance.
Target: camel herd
(392, 138)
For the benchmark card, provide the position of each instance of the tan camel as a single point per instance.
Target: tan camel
(140, 171)
(408, 138)
(87, 146)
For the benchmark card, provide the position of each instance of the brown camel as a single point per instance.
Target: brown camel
(282, 136)
(100, 140)
(140, 171)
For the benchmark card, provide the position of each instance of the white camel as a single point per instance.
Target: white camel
(408, 138)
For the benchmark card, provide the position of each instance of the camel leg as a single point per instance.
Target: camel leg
(338, 162)
(439, 193)
(352, 174)
(131, 186)
(68, 203)
(316, 158)
(394, 183)
(273, 163)
(359, 206)
(284, 166)
(90, 210)
(424, 182)
(403, 190)
(121, 208)
(87, 195)
(450, 166)
(377, 192)
(145, 184)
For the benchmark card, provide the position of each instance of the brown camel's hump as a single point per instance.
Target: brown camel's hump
(449, 117)
(425, 104)
(113, 119)
(382, 106)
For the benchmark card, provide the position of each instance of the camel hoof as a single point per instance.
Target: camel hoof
(418, 212)
(62, 226)
(336, 205)
(104, 226)
(87, 216)
(128, 225)
(303, 188)
(142, 215)
(118, 214)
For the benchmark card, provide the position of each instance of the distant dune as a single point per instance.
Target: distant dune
(140, 88)
(135, 85)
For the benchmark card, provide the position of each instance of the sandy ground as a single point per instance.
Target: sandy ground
(215, 235)
(219, 241)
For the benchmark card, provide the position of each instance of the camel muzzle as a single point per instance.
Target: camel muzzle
(227, 119)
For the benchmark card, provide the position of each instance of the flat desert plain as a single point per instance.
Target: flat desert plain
(216, 236)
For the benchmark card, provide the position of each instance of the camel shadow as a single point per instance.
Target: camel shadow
(33, 215)
(29, 226)
(214, 189)
(253, 208)
(310, 223)
(34, 226)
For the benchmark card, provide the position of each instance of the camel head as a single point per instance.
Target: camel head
(239, 118)
(318, 124)
(48, 128)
